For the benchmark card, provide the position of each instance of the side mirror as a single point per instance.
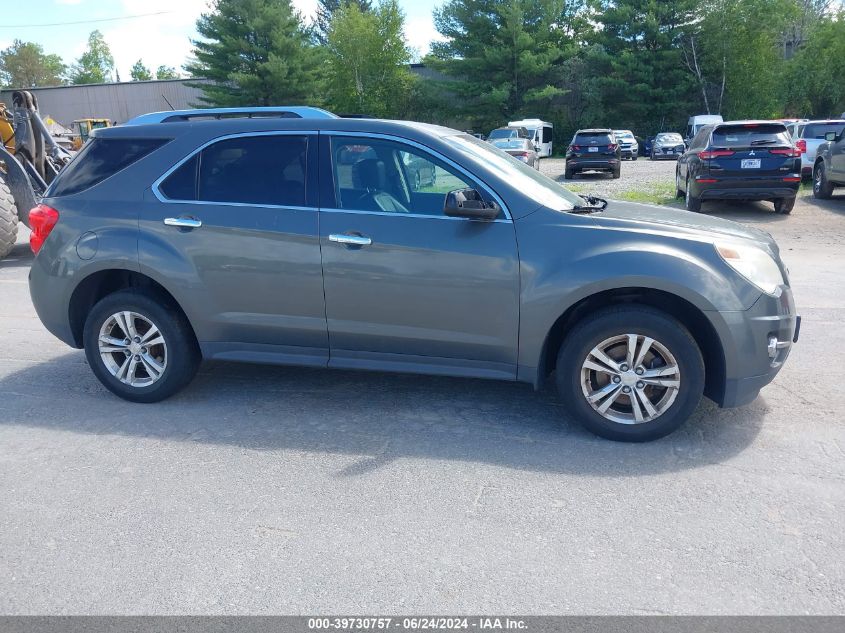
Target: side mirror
(830, 136)
(468, 203)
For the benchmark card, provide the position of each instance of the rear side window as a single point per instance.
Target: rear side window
(99, 159)
(750, 135)
(262, 170)
(818, 130)
(547, 135)
(592, 138)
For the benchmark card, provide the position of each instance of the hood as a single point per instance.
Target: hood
(633, 215)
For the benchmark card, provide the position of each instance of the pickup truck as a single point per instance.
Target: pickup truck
(829, 168)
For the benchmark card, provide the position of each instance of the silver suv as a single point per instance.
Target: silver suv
(290, 236)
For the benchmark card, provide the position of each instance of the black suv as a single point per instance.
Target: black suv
(593, 150)
(740, 160)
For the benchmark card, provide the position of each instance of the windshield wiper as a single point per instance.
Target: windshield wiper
(594, 205)
(764, 141)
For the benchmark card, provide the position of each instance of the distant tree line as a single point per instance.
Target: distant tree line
(640, 64)
(26, 65)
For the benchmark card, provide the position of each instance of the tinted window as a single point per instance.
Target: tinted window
(248, 170)
(547, 135)
(592, 138)
(254, 170)
(182, 183)
(390, 177)
(748, 135)
(818, 130)
(700, 139)
(99, 159)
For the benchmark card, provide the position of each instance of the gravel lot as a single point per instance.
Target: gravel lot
(641, 175)
(285, 490)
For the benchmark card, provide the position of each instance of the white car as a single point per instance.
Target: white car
(627, 144)
(809, 136)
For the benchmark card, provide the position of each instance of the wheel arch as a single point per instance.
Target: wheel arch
(688, 314)
(108, 281)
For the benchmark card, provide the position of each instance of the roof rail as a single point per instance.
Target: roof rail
(283, 112)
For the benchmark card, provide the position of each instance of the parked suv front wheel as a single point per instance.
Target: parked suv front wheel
(140, 348)
(630, 373)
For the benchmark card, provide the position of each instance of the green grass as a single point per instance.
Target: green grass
(657, 194)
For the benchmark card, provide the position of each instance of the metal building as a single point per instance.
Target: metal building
(116, 101)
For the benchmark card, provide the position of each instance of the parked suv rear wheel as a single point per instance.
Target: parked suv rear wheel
(139, 348)
(630, 373)
(692, 203)
(784, 205)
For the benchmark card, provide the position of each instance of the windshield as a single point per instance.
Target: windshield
(526, 179)
(622, 134)
(503, 133)
(669, 138)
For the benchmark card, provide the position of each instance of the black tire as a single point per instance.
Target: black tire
(822, 187)
(8, 219)
(691, 202)
(679, 193)
(617, 172)
(651, 157)
(183, 354)
(644, 321)
(784, 205)
(634, 157)
(569, 174)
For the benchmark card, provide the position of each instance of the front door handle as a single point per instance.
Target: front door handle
(352, 240)
(183, 223)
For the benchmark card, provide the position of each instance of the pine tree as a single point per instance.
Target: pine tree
(256, 52)
(326, 10)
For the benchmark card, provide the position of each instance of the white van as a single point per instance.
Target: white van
(697, 122)
(540, 132)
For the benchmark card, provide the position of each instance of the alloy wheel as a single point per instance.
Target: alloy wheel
(133, 349)
(630, 379)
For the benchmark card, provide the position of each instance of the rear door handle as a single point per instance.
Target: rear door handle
(184, 223)
(352, 240)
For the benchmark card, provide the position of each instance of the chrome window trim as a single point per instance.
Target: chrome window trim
(400, 214)
(164, 199)
(433, 152)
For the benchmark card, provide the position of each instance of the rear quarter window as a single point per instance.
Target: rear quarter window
(99, 159)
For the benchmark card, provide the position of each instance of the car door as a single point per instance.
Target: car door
(407, 287)
(837, 158)
(236, 227)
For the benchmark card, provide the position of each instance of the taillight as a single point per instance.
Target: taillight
(575, 148)
(801, 146)
(612, 147)
(791, 152)
(522, 154)
(42, 219)
(715, 153)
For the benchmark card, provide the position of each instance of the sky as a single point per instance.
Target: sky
(162, 39)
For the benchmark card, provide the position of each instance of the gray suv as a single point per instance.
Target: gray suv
(290, 236)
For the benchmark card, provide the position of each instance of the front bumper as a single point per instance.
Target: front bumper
(751, 363)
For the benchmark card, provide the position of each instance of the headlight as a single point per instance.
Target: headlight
(753, 263)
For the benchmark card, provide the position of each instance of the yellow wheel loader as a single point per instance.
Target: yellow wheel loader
(29, 161)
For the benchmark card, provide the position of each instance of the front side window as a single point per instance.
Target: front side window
(259, 170)
(389, 177)
(819, 130)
